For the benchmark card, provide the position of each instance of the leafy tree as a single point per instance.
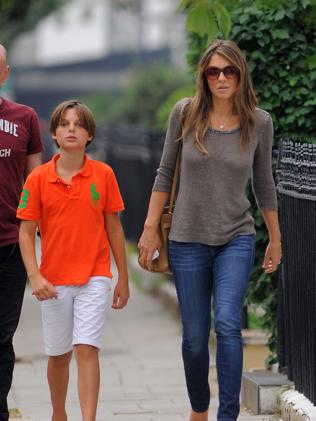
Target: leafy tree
(163, 112)
(140, 101)
(17, 16)
(206, 19)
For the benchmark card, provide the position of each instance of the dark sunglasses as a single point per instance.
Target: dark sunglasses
(230, 72)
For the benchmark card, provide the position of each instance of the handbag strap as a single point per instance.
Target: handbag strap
(176, 173)
(174, 182)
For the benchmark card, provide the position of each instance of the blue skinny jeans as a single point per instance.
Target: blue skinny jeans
(199, 270)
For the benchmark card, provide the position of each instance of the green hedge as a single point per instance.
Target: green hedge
(279, 44)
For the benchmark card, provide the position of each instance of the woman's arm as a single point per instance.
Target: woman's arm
(265, 193)
(150, 238)
(273, 252)
(116, 238)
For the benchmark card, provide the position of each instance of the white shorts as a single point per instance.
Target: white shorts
(76, 316)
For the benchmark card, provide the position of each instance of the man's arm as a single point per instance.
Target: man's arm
(41, 287)
(117, 243)
(32, 161)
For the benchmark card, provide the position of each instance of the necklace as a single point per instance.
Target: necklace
(226, 125)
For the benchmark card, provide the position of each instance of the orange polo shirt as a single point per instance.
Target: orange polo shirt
(71, 219)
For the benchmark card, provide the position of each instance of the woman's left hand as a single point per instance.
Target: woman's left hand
(272, 257)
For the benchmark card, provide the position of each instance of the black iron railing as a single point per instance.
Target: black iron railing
(134, 154)
(296, 184)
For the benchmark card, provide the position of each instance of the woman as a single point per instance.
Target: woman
(225, 140)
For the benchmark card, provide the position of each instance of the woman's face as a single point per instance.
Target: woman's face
(222, 78)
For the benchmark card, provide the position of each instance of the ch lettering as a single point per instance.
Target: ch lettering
(4, 153)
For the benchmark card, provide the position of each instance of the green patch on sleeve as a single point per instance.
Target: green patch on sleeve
(24, 198)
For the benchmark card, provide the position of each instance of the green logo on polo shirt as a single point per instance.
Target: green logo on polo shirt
(95, 195)
(24, 198)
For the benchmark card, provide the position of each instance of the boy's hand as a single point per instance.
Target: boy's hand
(121, 295)
(42, 288)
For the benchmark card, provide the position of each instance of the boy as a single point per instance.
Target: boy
(75, 201)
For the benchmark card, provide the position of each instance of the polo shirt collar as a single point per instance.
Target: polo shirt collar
(53, 177)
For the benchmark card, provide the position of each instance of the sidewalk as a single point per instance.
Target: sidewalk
(142, 376)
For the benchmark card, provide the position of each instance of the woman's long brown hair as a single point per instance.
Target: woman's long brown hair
(196, 112)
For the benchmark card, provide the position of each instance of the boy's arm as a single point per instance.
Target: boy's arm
(117, 243)
(42, 288)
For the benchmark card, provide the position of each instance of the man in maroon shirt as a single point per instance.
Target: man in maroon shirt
(20, 152)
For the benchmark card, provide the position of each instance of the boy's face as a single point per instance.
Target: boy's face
(70, 134)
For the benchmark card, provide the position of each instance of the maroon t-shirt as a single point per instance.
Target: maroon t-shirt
(19, 137)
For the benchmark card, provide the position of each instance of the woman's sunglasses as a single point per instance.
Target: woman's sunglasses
(230, 72)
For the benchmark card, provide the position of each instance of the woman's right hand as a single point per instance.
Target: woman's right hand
(148, 243)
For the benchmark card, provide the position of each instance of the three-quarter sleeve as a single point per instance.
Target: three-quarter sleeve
(164, 177)
(262, 178)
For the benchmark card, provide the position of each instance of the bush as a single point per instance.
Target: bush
(279, 44)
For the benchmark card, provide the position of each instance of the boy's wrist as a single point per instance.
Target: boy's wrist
(32, 276)
(123, 278)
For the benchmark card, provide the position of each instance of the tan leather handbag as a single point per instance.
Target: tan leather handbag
(161, 263)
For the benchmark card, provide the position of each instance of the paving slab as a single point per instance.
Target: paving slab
(142, 376)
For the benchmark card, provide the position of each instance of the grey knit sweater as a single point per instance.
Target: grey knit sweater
(212, 206)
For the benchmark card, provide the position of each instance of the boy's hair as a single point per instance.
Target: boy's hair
(84, 114)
